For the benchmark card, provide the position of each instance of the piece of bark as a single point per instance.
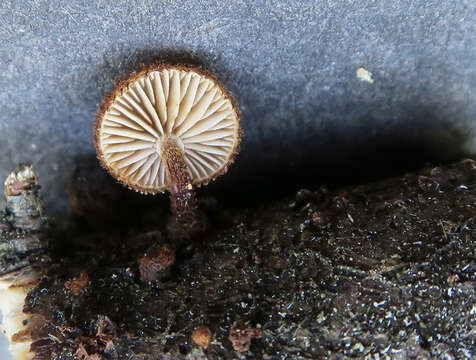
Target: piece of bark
(23, 258)
(23, 204)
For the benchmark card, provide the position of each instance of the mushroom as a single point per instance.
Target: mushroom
(168, 127)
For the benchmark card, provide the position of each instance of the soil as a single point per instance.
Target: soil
(379, 270)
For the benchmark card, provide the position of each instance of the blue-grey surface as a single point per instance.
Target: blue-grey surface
(291, 65)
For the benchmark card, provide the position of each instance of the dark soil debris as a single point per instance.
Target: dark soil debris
(380, 270)
(156, 263)
(76, 285)
(202, 336)
(240, 338)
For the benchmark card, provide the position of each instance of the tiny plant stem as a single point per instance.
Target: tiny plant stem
(182, 197)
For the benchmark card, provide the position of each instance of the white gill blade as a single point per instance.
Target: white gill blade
(137, 119)
(160, 102)
(187, 101)
(118, 156)
(173, 102)
(229, 124)
(205, 148)
(206, 123)
(225, 143)
(154, 172)
(162, 175)
(215, 106)
(199, 161)
(121, 120)
(209, 135)
(136, 103)
(218, 160)
(149, 90)
(112, 139)
(150, 109)
(134, 134)
(184, 82)
(202, 88)
(193, 170)
(146, 167)
(130, 146)
(197, 112)
(164, 76)
(135, 157)
(196, 163)
(134, 167)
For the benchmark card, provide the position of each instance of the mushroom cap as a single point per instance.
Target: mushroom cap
(159, 104)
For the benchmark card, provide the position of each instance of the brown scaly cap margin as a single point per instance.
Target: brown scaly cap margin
(145, 69)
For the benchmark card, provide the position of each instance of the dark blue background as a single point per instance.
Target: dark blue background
(291, 65)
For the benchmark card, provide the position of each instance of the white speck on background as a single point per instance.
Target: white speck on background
(364, 75)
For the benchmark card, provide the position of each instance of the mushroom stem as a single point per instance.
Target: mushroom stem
(182, 197)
